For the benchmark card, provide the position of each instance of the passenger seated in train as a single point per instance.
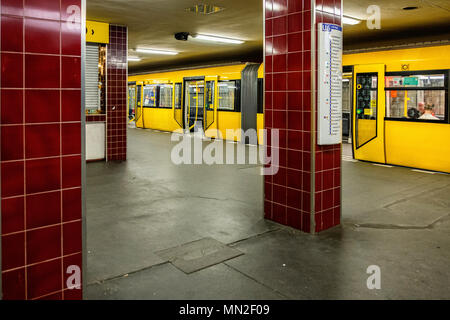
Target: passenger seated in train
(428, 113)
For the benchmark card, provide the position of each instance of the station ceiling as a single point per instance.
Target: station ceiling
(153, 23)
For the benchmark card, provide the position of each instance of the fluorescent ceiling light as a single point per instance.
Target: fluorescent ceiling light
(350, 20)
(134, 59)
(217, 39)
(152, 51)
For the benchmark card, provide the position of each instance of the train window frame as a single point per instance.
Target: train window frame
(445, 88)
(355, 106)
(237, 93)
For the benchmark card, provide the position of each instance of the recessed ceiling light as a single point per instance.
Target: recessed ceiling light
(153, 51)
(410, 8)
(217, 39)
(350, 20)
(134, 59)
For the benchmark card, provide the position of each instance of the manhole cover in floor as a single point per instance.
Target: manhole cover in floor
(198, 255)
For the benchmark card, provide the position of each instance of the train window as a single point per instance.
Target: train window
(209, 95)
(366, 107)
(178, 92)
(165, 96)
(150, 96)
(417, 96)
(228, 95)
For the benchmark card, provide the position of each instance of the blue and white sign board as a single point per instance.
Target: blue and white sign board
(330, 84)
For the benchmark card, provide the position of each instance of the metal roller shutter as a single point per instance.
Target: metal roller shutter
(92, 90)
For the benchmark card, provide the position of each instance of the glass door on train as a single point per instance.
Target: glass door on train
(194, 104)
(368, 113)
(210, 115)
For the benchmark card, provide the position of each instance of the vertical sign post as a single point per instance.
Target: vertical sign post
(330, 84)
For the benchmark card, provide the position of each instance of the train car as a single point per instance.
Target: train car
(400, 106)
(217, 100)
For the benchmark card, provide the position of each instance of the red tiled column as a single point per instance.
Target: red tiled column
(41, 160)
(117, 83)
(305, 194)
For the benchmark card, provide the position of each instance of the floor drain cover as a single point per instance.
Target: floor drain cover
(198, 255)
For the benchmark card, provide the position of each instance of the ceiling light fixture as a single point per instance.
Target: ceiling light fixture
(204, 9)
(410, 8)
(153, 51)
(350, 20)
(134, 59)
(217, 39)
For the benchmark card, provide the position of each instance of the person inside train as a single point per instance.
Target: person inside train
(428, 113)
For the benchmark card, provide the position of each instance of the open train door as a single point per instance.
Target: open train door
(211, 104)
(138, 117)
(178, 105)
(369, 112)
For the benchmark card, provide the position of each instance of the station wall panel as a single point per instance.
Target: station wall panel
(41, 192)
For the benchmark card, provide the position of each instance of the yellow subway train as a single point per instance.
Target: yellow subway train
(400, 106)
(210, 99)
(395, 104)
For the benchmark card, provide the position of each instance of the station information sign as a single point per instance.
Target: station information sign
(329, 84)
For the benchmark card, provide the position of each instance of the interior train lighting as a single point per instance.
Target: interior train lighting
(217, 39)
(350, 20)
(153, 51)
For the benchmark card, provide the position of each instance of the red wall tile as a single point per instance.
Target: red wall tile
(14, 282)
(42, 140)
(44, 279)
(13, 216)
(11, 142)
(42, 106)
(42, 36)
(12, 72)
(11, 106)
(43, 209)
(12, 34)
(42, 71)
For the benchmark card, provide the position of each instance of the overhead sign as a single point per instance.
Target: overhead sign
(97, 32)
(330, 84)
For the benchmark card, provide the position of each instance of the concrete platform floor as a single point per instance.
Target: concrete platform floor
(393, 217)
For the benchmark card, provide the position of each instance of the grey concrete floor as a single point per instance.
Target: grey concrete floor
(395, 218)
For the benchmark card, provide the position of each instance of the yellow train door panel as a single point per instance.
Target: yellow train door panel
(369, 112)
